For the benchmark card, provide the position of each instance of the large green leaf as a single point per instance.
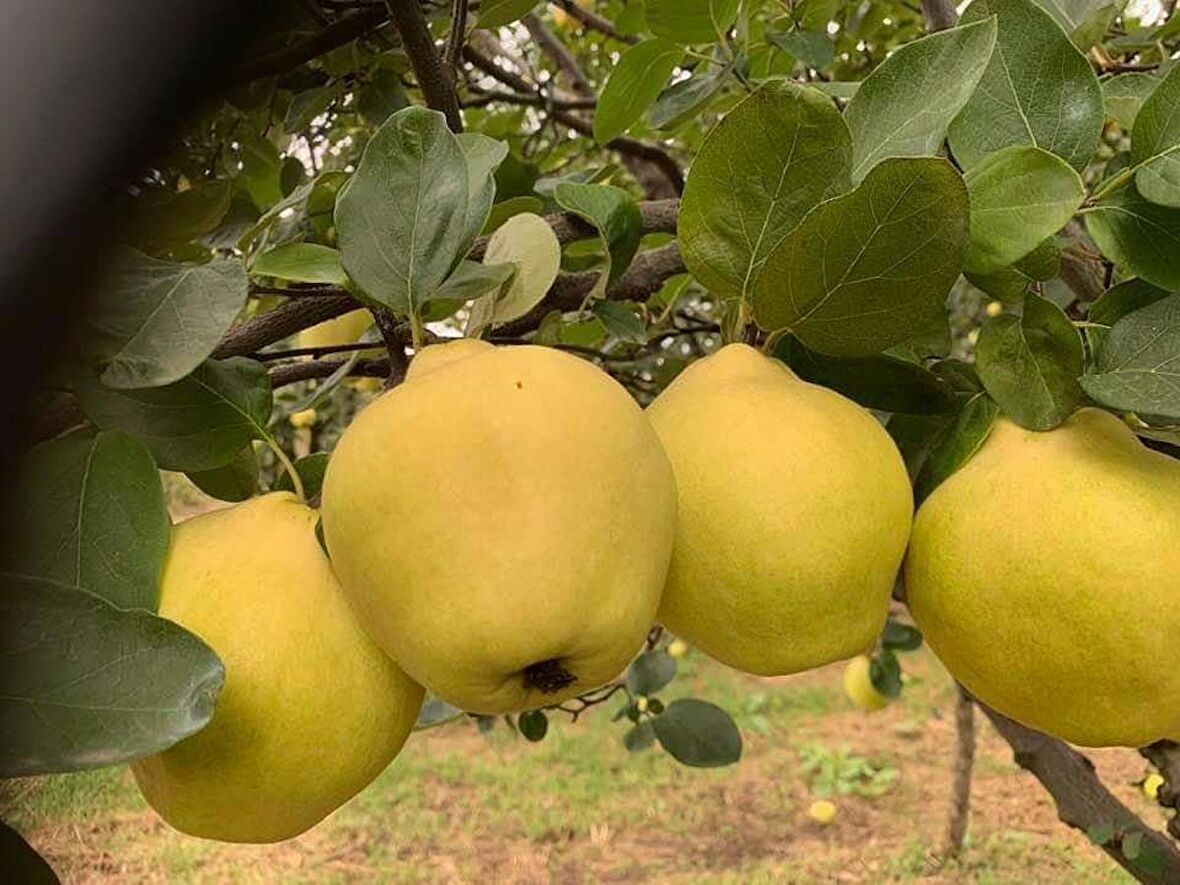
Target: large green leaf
(1137, 234)
(633, 84)
(198, 423)
(1030, 364)
(483, 156)
(152, 322)
(903, 108)
(1155, 143)
(302, 263)
(1019, 196)
(872, 268)
(1037, 89)
(761, 169)
(613, 213)
(698, 733)
(690, 21)
(1124, 94)
(1139, 365)
(163, 218)
(85, 684)
(526, 242)
(401, 220)
(685, 99)
(92, 515)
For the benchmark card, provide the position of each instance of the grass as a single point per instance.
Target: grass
(461, 806)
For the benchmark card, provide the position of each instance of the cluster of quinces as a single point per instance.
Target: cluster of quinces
(505, 526)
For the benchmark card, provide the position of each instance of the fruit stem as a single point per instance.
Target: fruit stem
(417, 333)
(288, 466)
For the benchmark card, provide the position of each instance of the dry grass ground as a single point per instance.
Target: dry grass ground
(458, 806)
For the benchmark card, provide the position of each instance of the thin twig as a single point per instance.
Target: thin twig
(960, 815)
(458, 34)
(591, 20)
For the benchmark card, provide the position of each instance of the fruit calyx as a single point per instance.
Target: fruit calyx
(548, 677)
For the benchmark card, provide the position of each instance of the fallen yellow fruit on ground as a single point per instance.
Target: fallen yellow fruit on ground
(503, 521)
(822, 811)
(858, 684)
(794, 513)
(677, 648)
(311, 710)
(1152, 784)
(1046, 577)
(304, 418)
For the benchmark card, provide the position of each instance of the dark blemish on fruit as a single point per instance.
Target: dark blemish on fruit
(520, 385)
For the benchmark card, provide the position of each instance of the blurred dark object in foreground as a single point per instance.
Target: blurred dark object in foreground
(91, 90)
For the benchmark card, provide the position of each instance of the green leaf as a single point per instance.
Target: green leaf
(85, 684)
(436, 711)
(1155, 143)
(533, 724)
(885, 383)
(311, 470)
(1037, 89)
(632, 85)
(198, 423)
(620, 322)
(497, 13)
(639, 737)
(772, 158)
(92, 516)
(402, 219)
(1138, 235)
(684, 100)
(381, 96)
(152, 322)
(698, 733)
(872, 268)
(1019, 196)
(690, 21)
(473, 280)
(305, 106)
(235, 481)
(957, 444)
(1122, 299)
(901, 637)
(650, 672)
(261, 170)
(1030, 364)
(904, 106)
(161, 219)
(302, 263)
(506, 209)
(1123, 95)
(1139, 365)
(527, 243)
(814, 48)
(1085, 21)
(483, 155)
(885, 673)
(21, 862)
(613, 213)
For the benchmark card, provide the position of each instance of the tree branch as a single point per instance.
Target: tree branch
(285, 320)
(589, 19)
(333, 36)
(939, 15)
(307, 371)
(492, 96)
(964, 762)
(632, 147)
(558, 53)
(1084, 803)
(438, 89)
(457, 36)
